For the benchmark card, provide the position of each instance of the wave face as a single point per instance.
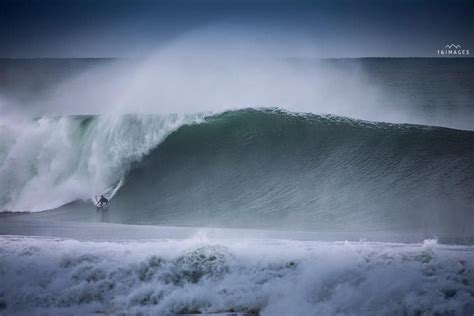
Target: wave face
(273, 169)
(252, 168)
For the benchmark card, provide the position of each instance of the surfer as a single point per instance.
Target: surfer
(103, 201)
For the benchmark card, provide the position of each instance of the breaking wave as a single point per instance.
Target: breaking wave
(248, 168)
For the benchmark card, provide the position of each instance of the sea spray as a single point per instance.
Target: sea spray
(51, 161)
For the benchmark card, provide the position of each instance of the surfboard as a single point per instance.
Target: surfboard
(101, 206)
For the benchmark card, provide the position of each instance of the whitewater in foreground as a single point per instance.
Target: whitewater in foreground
(206, 273)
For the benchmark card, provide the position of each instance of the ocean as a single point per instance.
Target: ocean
(354, 198)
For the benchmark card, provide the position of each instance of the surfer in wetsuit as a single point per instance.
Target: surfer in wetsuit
(103, 201)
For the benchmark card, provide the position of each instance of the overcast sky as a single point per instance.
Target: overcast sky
(118, 28)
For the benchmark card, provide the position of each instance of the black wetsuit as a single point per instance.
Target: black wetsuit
(103, 201)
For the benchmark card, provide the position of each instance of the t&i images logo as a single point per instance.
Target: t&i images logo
(453, 50)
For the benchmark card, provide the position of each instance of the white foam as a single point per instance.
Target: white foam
(52, 161)
(205, 275)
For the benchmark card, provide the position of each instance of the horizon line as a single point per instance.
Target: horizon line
(362, 57)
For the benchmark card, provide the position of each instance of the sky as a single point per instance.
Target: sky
(133, 29)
